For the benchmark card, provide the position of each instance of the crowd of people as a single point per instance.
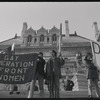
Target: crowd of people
(52, 74)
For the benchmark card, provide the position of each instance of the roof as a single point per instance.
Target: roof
(42, 29)
(30, 30)
(16, 40)
(54, 29)
(73, 40)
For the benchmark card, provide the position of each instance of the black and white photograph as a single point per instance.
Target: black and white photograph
(49, 50)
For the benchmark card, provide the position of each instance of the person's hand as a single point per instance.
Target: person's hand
(59, 55)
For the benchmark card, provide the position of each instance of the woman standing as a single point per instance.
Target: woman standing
(53, 69)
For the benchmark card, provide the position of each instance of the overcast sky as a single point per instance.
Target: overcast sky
(80, 15)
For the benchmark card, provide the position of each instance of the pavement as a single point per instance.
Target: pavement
(63, 94)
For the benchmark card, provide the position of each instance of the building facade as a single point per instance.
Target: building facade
(45, 40)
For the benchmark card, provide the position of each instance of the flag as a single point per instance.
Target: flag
(13, 47)
(9, 50)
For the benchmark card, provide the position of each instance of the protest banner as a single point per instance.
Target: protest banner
(17, 69)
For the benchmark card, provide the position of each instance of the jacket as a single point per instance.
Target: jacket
(40, 65)
(56, 65)
(92, 72)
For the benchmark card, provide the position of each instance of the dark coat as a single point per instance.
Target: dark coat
(92, 72)
(69, 86)
(56, 64)
(40, 65)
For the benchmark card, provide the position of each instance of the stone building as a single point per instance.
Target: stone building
(45, 40)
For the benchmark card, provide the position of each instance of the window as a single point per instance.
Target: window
(54, 38)
(47, 40)
(42, 38)
(29, 39)
(35, 40)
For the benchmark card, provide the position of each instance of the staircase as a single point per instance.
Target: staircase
(76, 94)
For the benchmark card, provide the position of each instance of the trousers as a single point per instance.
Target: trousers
(95, 83)
(54, 86)
(40, 79)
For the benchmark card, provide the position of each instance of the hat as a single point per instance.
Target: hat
(54, 52)
(40, 53)
(86, 57)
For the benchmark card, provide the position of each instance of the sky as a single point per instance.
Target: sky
(80, 16)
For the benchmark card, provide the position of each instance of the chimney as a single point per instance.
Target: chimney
(66, 28)
(96, 31)
(95, 28)
(24, 28)
(15, 35)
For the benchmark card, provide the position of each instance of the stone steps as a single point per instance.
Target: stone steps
(76, 94)
(63, 94)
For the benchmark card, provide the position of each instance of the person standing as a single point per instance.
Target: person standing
(53, 68)
(39, 74)
(92, 75)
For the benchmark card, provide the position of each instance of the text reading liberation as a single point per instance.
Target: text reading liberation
(17, 69)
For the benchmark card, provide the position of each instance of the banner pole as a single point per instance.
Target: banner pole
(12, 53)
(30, 94)
(59, 43)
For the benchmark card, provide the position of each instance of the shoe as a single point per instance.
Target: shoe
(98, 97)
(89, 96)
(11, 92)
(57, 96)
(18, 92)
(51, 96)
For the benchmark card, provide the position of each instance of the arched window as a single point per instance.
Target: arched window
(54, 38)
(42, 38)
(48, 40)
(35, 40)
(29, 39)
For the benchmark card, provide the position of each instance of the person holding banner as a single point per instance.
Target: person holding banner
(11, 51)
(39, 74)
(53, 68)
(92, 75)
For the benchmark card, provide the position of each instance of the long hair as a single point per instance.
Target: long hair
(54, 52)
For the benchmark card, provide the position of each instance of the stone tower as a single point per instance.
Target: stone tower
(24, 29)
(96, 31)
(66, 28)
